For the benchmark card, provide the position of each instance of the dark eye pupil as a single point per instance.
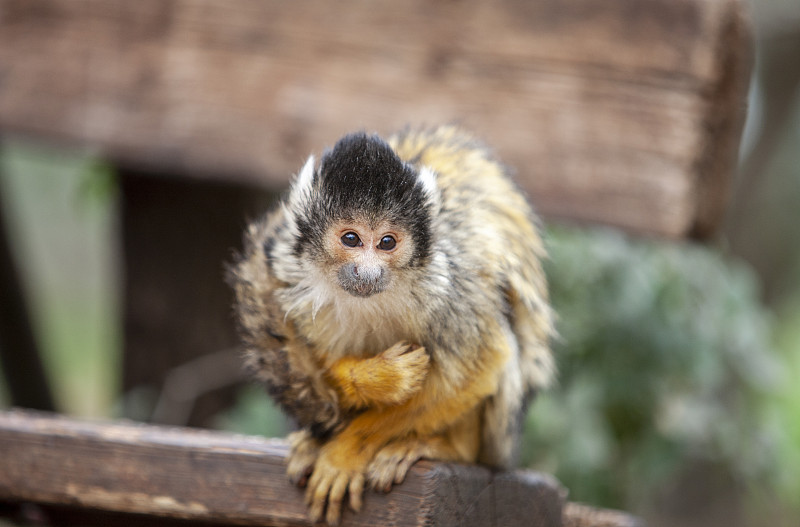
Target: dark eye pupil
(350, 239)
(387, 243)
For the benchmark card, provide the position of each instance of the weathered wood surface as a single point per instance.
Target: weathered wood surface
(625, 112)
(222, 478)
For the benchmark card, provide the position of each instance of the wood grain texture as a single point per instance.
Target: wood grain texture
(222, 478)
(623, 112)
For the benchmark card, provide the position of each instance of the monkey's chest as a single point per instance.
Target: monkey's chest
(357, 332)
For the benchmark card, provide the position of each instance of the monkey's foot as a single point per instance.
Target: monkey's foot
(390, 465)
(332, 478)
(304, 453)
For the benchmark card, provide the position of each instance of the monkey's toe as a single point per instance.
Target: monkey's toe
(326, 491)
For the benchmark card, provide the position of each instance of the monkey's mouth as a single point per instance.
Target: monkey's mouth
(363, 289)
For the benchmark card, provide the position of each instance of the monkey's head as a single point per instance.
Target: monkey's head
(364, 217)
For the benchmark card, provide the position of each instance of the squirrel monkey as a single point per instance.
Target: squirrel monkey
(395, 306)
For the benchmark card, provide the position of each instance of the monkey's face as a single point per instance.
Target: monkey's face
(363, 220)
(365, 256)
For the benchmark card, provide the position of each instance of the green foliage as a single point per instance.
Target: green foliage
(60, 207)
(784, 408)
(664, 360)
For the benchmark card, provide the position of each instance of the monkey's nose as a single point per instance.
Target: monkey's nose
(362, 280)
(368, 274)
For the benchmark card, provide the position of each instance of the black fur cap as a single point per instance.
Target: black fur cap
(362, 177)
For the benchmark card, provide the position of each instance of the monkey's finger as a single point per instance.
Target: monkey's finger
(298, 471)
(313, 481)
(416, 356)
(317, 489)
(294, 471)
(404, 466)
(382, 479)
(356, 491)
(416, 350)
(315, 511)
(382, 468)
(335, 497)
(383, 483)
(396, 350)
(303, 481)
(297, 437)
(385, 486)
(316, 496)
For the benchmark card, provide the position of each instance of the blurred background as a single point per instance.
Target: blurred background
(678, 396)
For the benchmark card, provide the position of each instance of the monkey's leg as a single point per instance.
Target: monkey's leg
(343, 460)
(391, 463)
(389, 378)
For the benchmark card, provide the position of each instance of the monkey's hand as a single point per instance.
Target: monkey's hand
(302, 456)
(339, 469)
(389, 378)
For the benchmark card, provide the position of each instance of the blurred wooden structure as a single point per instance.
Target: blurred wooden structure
(624, 113)
(80, 472)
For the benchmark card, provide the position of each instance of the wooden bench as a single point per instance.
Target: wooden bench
(624, 113)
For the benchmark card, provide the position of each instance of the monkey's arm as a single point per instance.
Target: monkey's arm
(389, 378)
(273, 353)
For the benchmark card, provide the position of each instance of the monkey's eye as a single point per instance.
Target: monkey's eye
(387, 243)
(351, 239)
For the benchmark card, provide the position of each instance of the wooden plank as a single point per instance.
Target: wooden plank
(625, 112)
(222, 478)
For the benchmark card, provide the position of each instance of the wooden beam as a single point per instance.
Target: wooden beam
(216, 477)
(624, 112)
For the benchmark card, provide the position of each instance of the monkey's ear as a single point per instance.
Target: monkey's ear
(427, 178)
(301, 189)
(306, 175)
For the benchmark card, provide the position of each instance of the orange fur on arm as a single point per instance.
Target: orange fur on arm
(389, 378)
